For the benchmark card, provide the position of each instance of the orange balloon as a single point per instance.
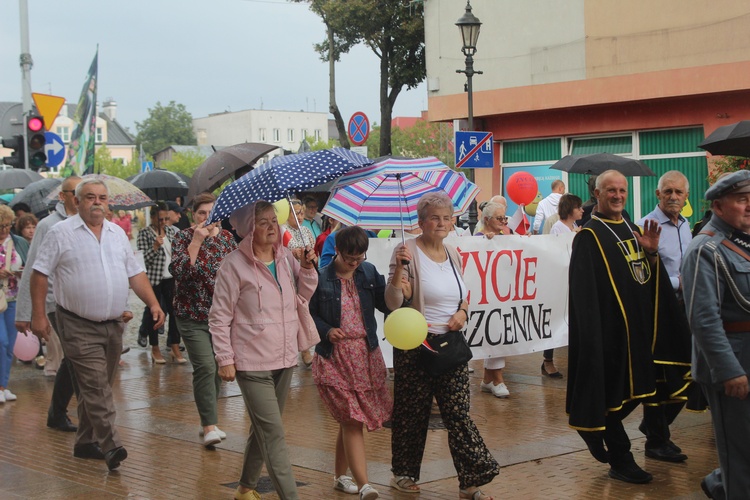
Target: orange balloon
(521, 188)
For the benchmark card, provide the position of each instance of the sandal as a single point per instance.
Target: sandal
(477, 494)
(404, 484)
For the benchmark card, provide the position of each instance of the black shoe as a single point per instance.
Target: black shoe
(88, 450)
(182, 348)
(705, 489)
(142, 341)
(551, 375)
(674, 447)
(63, 424)
(595, 442)
(630, 473)
(665, 454)
(114, 456)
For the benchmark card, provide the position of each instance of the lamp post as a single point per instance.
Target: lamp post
(469, 26)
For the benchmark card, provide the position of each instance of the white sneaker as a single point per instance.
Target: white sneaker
(211, 438)
(9, 396)
(368, 493)
(499, 391)
(222, 434)
(345, 484)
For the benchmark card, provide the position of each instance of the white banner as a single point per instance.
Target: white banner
(518, 291)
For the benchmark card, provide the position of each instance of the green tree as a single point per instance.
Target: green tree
(184, 163)
(423, 139)
(393, 30)
(105, 164)
(165, 125)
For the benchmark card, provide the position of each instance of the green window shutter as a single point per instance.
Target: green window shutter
(620, 145)
(530, 151)
(658, 142)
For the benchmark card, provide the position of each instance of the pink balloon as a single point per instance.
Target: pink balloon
(521, 188)
(27, 346)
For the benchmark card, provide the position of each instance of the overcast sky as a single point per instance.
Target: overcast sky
(211, 56)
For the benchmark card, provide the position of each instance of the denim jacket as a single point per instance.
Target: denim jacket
(325, 305)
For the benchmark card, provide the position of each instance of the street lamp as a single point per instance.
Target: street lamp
(469, 26)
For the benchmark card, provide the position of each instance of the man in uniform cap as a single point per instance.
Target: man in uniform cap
(716, 285)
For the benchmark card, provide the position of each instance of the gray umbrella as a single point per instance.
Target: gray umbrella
(597, 163)
(226, 162)
(16, 178)
(160, 184)
(35, 196)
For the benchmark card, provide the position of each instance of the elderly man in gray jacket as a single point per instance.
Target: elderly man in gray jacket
(716, 285)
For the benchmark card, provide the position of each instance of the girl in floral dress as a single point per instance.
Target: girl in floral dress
(349, 369)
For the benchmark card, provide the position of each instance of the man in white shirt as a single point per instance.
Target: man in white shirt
(548, 206)
(93, 266)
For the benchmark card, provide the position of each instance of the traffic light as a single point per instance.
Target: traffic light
(16, 160)
(35, 152)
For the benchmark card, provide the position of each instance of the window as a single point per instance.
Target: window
(99, 134)
(64, 133)
(290, 134)
(276, 135)
(317, 134)
(304, 134)
(262, 135)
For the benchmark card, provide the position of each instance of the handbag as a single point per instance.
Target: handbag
(448, 350)
(307, 333)
(8, 258)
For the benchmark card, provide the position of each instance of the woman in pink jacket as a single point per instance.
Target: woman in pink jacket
(253, 324)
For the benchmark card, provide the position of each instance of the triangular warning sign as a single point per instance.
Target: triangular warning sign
(49, 107)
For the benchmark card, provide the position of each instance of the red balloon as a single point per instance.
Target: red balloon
(521, 188)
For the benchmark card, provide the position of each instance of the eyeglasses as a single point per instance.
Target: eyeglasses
(502, 219)
(3, 227)
(353, 260)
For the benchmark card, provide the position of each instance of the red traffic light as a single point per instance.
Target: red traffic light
(35, 123)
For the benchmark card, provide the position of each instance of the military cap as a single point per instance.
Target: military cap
(736, 182)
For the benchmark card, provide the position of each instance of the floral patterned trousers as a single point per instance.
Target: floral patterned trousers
(413, 393)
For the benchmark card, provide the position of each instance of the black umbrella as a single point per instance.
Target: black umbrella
(35, 196)
(16, 178)
(225, 163)
(597, 163)
(159, 184)
(731, 140)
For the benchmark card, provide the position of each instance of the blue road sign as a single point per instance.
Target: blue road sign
(474, 150)
(147, 166)
(54, 148)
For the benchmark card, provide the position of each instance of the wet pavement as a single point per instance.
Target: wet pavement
(541, 457)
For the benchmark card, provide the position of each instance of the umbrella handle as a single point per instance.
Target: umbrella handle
(299, 226)
(404, 262)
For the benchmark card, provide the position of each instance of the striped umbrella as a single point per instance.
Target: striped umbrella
(385, 195)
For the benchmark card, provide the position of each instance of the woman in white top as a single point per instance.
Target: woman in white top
(569, 209)
(434, 286)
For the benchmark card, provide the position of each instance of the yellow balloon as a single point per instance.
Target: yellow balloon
(531, 207)
(385, 233)
(405, 328)
(687, 210)
(282, 210)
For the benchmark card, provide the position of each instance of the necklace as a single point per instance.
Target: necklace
(634, 260)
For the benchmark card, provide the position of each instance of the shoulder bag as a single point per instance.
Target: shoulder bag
(446, 351)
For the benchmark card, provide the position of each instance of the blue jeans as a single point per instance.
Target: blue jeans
(8, 334)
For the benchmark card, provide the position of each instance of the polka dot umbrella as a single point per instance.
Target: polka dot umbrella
(284, 175)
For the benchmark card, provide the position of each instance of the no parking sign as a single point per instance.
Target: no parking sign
(359, 128)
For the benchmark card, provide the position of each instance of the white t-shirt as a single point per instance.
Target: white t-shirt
(440, 291)
(561, 228)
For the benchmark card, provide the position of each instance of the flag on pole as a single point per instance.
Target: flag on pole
(519, 223)
(83, 138)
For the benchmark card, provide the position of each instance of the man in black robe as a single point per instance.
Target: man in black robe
(619, 338)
